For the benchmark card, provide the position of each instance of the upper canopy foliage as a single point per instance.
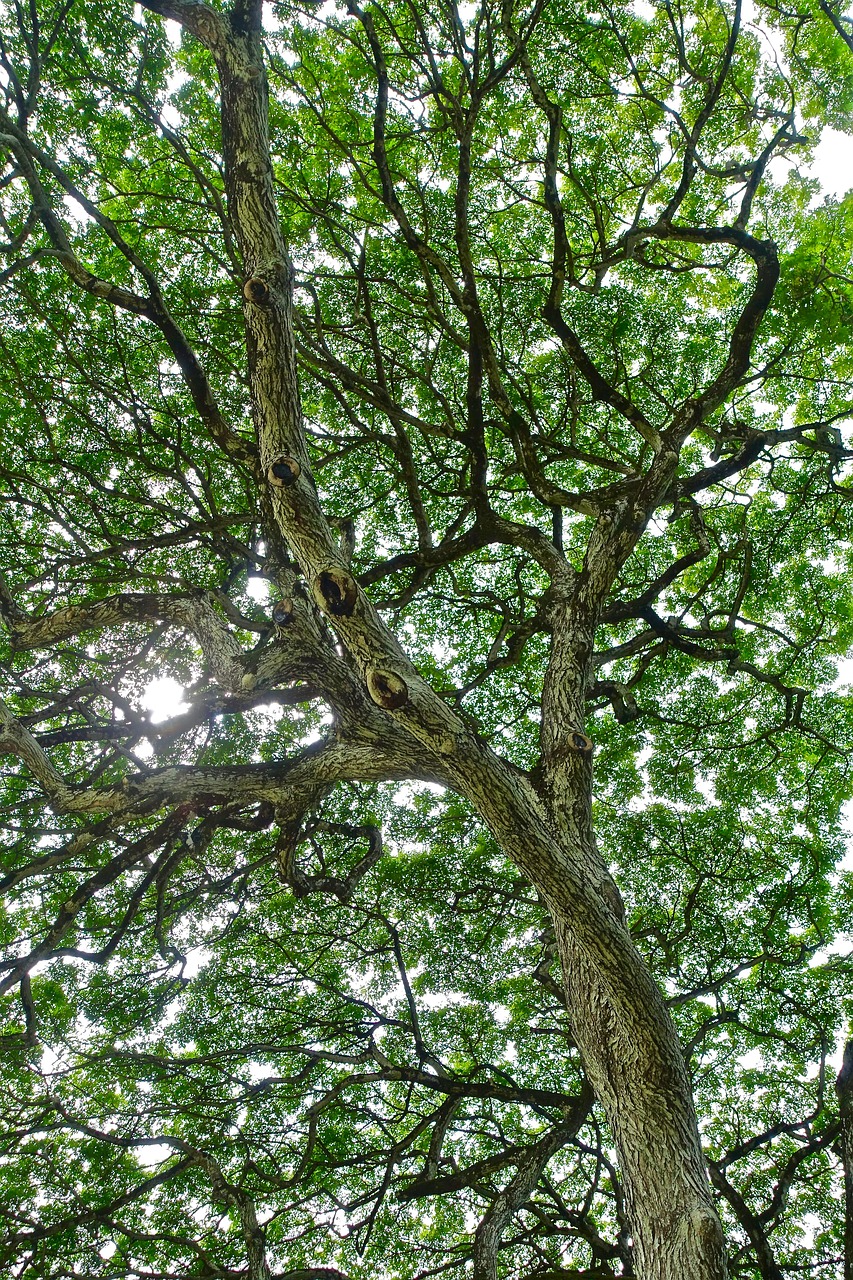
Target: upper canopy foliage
(263, 969)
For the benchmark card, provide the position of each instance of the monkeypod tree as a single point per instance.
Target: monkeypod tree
(451, 405)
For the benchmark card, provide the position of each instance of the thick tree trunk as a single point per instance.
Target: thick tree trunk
(631, 1054)
(844, 1089)
(637, 1071)
(621, 1024)
(629, 1045)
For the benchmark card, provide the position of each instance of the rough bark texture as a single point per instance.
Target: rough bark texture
(844, 1088)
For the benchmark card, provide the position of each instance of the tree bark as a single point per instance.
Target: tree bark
(844, 1089)
(629, 1046)
(628, 1042)
(637, 1071)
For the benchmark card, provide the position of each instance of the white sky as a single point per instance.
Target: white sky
(163, 699)
(833, 163)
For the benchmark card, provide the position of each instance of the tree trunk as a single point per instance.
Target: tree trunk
(627, 1040)
(637, 1071)
(629, 1045)
(844, 1089)
(632, 1057)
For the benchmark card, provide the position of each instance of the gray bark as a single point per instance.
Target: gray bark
(844, 1089)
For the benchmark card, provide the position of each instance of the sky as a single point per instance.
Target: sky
(833, 163)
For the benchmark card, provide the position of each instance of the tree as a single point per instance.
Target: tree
(453, 401)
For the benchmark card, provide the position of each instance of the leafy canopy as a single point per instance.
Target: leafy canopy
(334, 1011)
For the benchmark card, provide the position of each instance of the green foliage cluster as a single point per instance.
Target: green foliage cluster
(209, 1036)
